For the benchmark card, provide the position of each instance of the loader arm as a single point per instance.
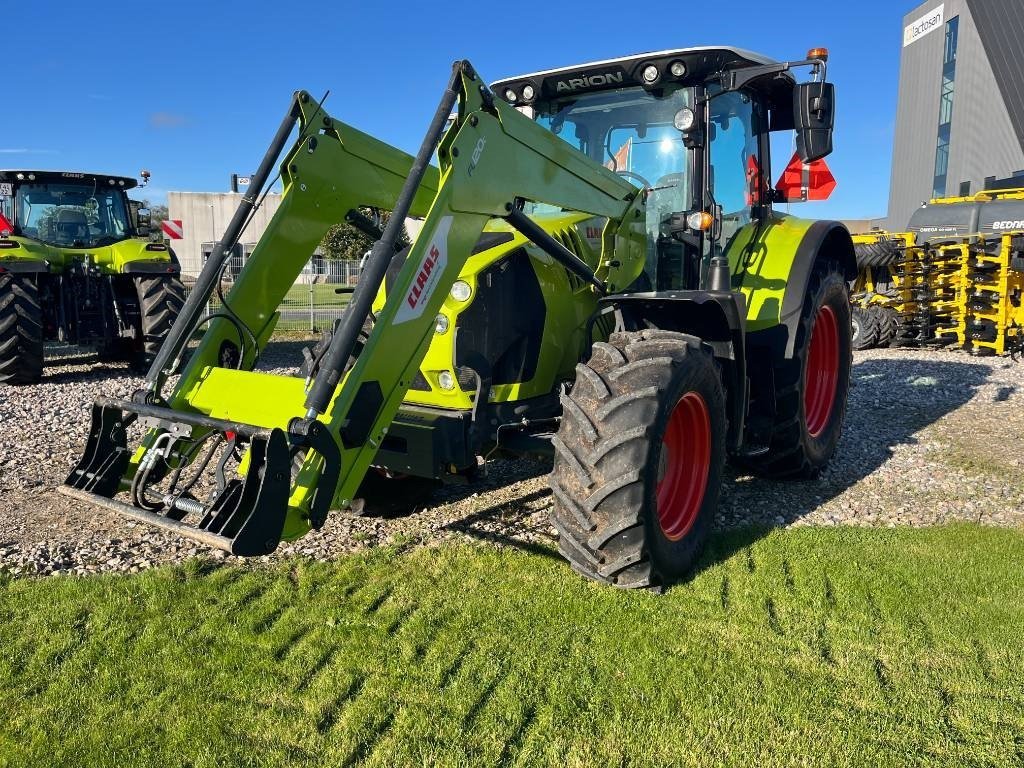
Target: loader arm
(492, 159)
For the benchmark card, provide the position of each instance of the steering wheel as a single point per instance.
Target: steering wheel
(637, 176)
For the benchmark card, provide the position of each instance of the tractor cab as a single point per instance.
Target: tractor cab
(67, 210)
(690, 127)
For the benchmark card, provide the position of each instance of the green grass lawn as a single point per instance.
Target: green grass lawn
(323, 296)
(295, 308)
(801, 647)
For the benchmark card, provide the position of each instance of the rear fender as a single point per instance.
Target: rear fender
(771, 263)
(824, 240)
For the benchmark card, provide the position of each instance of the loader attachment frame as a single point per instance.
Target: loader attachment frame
(305, 447)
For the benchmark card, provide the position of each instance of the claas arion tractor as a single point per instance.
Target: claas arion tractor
(77, 267)
(600, 274)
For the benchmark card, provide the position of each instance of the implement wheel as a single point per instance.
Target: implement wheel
(161, 298)
(21, 330)
(638, 459)
(888, 324)
(812, 386)
(865, 328)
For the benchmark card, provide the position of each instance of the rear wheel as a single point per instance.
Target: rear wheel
(638, 459)
(21, 330)
(812, 386)
(865, 328)
(161, 298)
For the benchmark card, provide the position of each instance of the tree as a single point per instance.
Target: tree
(157, 215)
(343, 241)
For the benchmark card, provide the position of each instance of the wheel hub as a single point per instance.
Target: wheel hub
(683, 466)
(821, 376)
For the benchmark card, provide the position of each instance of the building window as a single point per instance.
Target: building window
(945, 108)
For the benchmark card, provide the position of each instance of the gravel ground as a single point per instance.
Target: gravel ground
(930, 437)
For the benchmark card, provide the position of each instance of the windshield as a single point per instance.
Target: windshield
(630, 131)
(71, 215)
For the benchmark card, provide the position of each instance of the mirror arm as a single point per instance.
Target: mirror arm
(735, 79)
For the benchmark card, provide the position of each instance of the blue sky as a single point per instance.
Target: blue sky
(194, 91)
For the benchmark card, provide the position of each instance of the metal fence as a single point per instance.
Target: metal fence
(313, 302)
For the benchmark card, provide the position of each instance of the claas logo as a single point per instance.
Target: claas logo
(421, 279)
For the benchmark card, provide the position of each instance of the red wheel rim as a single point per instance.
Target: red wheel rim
(683, 466)
(822, 374)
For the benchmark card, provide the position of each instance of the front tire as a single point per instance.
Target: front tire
(638, 459)
(21, 331)
(812, 386)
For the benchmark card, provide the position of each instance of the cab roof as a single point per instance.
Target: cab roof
(67, 177)
(700, 63)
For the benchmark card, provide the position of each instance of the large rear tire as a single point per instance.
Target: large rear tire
(812, 386)
(638, 459)
(21, 330)
(161, 298)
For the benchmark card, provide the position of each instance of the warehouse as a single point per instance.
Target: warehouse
(960, 117)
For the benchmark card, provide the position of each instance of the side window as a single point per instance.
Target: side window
(734, 165)
(6, 207)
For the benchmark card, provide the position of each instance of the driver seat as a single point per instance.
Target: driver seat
(70, 225)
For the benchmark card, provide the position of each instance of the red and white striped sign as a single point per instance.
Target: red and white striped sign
(172, 228)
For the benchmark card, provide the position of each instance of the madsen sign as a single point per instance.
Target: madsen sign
(922, 26)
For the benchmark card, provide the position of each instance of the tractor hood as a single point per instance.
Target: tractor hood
(126, 256)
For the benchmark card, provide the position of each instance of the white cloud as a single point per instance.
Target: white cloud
(167, 120)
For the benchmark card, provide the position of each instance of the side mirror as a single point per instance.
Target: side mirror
(142, 222)
(814, 116)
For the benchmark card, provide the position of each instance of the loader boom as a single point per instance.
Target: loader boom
(492, 159)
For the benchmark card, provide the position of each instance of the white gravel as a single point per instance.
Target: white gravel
(930, 437)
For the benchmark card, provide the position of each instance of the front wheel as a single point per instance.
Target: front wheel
(638, 459)
(21, 330)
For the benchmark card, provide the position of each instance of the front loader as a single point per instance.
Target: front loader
(600, 274)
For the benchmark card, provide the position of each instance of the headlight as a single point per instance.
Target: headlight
(528, 92)
(461, 290)
(677, 68)
(441, 324)
(446, 380)
(684, 119)
(510, 96)
(650, 74)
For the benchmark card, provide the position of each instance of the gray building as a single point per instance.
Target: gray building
(204, 216)
(960, 118)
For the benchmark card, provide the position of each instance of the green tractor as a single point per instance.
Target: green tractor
(75, 268)
(600, 276)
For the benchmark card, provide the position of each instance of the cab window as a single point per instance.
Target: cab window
(734, 174)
